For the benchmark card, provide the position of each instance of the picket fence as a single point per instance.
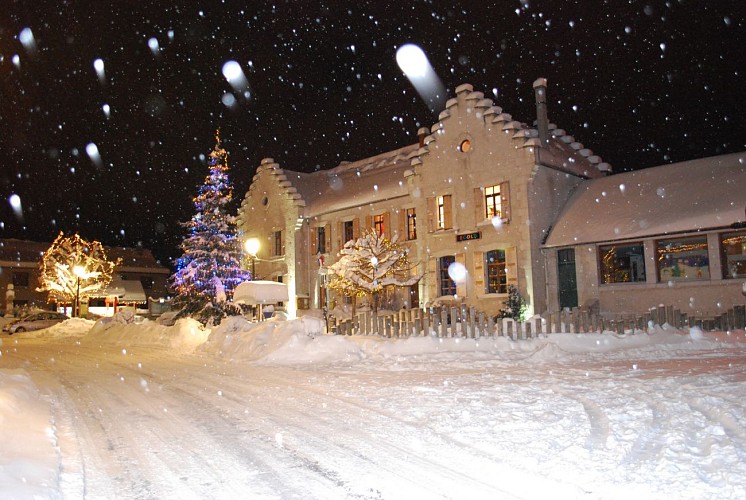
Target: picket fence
(468, 322)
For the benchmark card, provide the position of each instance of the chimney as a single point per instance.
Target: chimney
(542, 122)
(421, 134)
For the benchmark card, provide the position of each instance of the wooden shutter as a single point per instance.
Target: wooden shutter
(314, 240)
(479, 272)
(505, 200)
(355, 228)
(387, 229)
(403, 235)
(431, 280)
(368, 222)
(282, 242)
(432, 208)
(480, 212)
(447, 212)
(461, 285)
(511, 262)
(340, 235)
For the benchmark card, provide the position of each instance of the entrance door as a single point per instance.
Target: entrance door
(568, 281)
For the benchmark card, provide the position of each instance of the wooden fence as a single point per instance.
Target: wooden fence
(467, 322)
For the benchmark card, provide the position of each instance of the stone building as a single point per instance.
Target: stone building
(473, 201)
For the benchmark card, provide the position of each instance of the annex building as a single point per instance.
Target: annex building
(484, 201)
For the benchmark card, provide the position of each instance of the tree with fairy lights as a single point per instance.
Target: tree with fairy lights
(210, 267)
(369, 266)
(73, 269)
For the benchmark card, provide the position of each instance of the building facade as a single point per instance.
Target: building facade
(473, 202)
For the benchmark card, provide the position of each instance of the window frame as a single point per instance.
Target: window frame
(602, 273)
(672, 272)
(741, 262)
(497, 269)
(379, 224)
(493, 201)
(446, 284)
(320, 239)
(410, 216)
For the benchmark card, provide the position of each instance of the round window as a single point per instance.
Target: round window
(465, 146)
(265, 201)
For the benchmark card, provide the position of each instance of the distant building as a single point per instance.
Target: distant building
(484, 202)
(20, 260)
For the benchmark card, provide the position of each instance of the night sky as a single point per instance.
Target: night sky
(639, 83)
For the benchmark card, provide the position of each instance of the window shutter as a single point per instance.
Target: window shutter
(387, 229)
(511, 262)
(447, 212)
(368, 222)
(479, 272)
(328, 238)
(340, 235)
(505, 200)
(355, 228)
(431, 209)
(314, 240)
(402, 224)
(461, 285)
(431, 280)
(480, 212)
(282, 242)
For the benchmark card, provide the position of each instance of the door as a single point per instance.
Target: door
(568, 282)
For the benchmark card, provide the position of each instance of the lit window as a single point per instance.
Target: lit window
(378, 224)
(622, 263)
(493, 202)
(734, 254)
(496, 271)
(411, 224)
(445, 284)
(682, 259)
(465, 146)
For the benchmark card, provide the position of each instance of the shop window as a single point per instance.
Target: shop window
(411, 224)
(624, 263)
(733, 246)
(682, 259)
(20, 279)
(446, 285)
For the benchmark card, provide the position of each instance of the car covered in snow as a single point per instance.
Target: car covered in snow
(35, 321)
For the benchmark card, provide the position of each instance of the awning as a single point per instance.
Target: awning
(260, 292)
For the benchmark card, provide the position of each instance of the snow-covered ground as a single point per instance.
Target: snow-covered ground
(278, 410)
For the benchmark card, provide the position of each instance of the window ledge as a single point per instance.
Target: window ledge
(487, 296)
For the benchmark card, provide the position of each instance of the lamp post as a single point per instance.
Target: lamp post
(78, 271)
(252, 247)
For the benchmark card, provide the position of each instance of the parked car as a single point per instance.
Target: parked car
(35, 321)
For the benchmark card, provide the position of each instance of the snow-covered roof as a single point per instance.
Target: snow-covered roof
(260, 292)
(694, 195)
(124, 290)
(373, 179)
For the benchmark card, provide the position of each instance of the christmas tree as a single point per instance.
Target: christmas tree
(515, 307)
(210, 267)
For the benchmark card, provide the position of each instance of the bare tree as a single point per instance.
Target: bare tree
(370, 265)
(73, 268)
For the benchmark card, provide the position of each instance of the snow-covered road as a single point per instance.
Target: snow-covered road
(538, 422)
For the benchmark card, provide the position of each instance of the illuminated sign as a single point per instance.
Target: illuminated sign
(469, 236)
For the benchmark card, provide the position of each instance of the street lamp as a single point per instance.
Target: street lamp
(252, 247)
(79, 272)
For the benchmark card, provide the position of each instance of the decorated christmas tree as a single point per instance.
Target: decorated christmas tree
(210, 267)
(515, 307)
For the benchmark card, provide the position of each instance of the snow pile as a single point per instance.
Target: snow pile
(29, 454)
(184, 337)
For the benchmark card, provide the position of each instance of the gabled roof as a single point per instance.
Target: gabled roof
(695, 195)
(381, 177)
